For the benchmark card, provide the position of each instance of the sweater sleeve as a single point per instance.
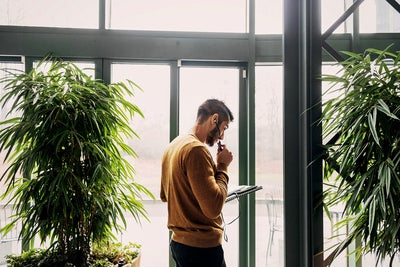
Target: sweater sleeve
(209, 184)
(164, 180)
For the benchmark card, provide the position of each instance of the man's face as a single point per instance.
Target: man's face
(217, 133)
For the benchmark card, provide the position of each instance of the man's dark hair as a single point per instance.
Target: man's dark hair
(212, 106)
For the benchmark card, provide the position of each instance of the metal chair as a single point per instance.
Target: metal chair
(7, 242)
(275, 215)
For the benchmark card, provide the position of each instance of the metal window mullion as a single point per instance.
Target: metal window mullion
(302, 180)
(174, 99)
(27, 244)
(252, 162)
(249, 86)
(102, 14)
(394, 4)
(173, 119)
(244, 203)
(102, 70)
(355, 41)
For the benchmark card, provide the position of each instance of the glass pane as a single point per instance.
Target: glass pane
(178, 15)
(269, 16)
(197, 85)
(378, 16)
(50, 13)
(153, 131)
(9, 244)
(371, 260)
(331, 11)
(332, 234)
(18, 67)
(269, 165)
(87, 67)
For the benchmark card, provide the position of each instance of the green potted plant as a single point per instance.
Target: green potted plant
(68, 177)
(104, 254)
(362, 163)
(116, 253)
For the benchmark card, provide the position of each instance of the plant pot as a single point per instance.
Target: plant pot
(135, 262)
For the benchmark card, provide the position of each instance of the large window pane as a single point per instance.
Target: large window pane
(50, 13)
(178, 15)
(14, 68)
(269, 16)
(332, 234)
(153, 131)
(331, 11)
(269, 166)
(86, 67)
(378, 16)
(9, 244)
(196, 85)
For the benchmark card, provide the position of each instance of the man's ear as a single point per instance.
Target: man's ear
(214, 118)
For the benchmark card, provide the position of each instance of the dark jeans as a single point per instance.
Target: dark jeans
(187, 256)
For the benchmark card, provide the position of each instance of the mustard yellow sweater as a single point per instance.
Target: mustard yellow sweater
(195, 190)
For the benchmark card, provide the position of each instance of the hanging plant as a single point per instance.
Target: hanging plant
(362, 166)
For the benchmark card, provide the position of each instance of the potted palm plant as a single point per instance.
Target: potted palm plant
(68, 176)
(362, 162)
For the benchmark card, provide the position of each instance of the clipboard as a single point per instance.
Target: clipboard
(241, 190)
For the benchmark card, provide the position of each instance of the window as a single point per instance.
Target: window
(269, 165)
(9, 244)
(332, 235)
(17, 67)
(50, 13)
(378, 16)
(153, 131)
(177, 15)
(269, 17)
(331, 11)
(196, 85)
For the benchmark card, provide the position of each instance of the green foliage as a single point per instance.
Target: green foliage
(364, 162)
(114, 252)
(104, 255)
(38, 257)
(29, 258)
(67, 143)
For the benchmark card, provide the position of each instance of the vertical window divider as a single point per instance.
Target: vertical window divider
(174, 117)
(102, 14)
(245, 222)
(103, 70)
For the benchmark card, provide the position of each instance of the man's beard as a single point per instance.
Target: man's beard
(213, 136)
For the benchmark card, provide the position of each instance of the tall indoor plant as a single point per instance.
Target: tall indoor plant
(363, 160)
(67, 144)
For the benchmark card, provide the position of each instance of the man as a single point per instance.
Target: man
(195, 188)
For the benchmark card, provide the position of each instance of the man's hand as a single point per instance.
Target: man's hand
(224, 156)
